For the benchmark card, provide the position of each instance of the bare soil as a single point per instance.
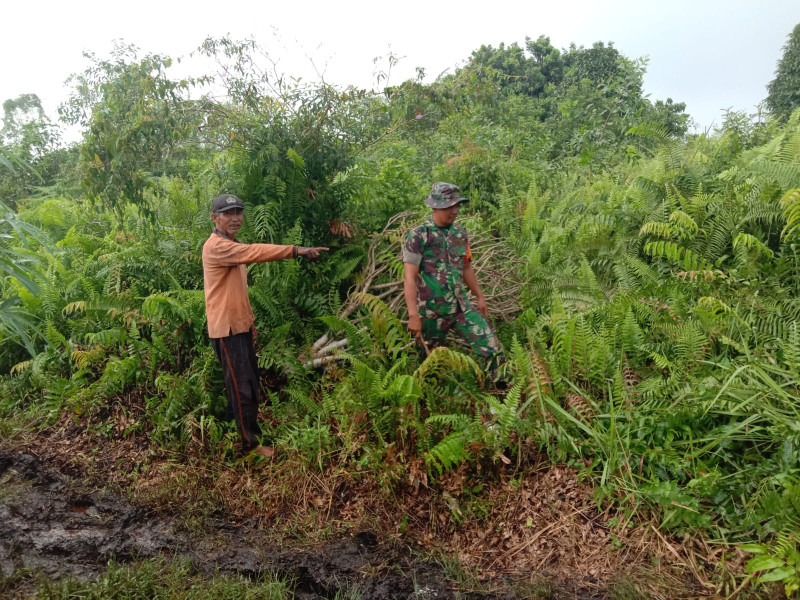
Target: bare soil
(54, 524)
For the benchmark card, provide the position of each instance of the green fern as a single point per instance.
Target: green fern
(663, 230)
(679, 255)
(744, 241)
(386, 326)
(447, 454)
(443, 361)
(790, 204)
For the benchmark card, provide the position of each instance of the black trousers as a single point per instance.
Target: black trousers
(237, 355)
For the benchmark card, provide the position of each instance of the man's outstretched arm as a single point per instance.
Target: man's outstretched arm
(227, 253)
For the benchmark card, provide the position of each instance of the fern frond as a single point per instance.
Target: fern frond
(507, 412)
(385, 324)
(745, 241)
(676, 254)
(684, 221)
(580, 407)
(20, 367)
(790, 204)
(85, 359)
(444, 360)
(456, 422)
(663, 230)
(706, 275)
(302, 399)
(714, 305)
(692, 343)
(447, 454)
(787, 175)
(658, 132)
(74, 308)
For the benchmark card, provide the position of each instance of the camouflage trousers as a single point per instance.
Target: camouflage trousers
(474, 329)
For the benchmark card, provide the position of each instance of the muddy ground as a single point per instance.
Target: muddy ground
(51, 523)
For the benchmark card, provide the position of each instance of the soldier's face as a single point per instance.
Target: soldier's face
(445, 216)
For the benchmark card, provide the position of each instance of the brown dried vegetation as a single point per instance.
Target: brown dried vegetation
(542, 521)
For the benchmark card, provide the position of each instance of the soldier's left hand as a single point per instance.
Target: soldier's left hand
(483, 308)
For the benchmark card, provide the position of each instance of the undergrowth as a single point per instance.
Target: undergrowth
(657, 341)
(158, 579)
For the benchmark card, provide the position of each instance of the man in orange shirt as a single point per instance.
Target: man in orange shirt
(231, 323)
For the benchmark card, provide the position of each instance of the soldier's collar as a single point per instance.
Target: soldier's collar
(434, 225)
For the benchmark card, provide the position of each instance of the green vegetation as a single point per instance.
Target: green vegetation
(784, 90)
(156, 579)
(656, 343)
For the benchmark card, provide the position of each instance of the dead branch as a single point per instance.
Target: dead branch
(496, 265)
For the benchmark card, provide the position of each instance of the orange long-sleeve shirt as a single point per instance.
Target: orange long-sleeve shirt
(225, 275)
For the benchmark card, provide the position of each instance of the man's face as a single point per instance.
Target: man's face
(446, 216)
(229, 222)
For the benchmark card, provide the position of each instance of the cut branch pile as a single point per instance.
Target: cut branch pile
(496, 266)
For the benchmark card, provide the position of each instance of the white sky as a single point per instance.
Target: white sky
(710, 54)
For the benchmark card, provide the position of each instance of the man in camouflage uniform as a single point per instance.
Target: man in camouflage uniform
(437, 265)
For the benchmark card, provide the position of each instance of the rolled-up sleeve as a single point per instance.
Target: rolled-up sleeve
(412, 249)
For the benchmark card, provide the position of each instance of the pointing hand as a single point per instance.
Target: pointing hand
(311, 253)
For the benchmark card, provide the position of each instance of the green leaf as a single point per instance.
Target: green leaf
(764, 562)
(406, 385)
(776, 575)
(753, 548)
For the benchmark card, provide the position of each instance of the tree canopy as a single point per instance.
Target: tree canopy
(784, 90)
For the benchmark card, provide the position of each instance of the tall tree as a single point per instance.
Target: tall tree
(600, 63)
(546, 59)
(26, 127)
(26, 136)
(17, 113)
(784, 90)
(521, 74)
(135, 116)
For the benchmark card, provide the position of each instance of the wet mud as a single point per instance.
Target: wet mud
(50, 524)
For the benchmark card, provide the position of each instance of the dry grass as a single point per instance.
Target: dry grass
(539, 522)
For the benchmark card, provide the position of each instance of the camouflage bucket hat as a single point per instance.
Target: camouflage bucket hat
(444, 195)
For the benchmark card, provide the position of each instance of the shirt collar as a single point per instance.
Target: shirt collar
(219, 233)
(433, 224)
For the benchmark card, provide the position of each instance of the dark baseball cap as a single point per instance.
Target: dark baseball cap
(226, 202)
(444, 195)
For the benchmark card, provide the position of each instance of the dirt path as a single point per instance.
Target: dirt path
(49, 523)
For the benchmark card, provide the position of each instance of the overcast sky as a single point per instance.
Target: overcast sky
(710, 54)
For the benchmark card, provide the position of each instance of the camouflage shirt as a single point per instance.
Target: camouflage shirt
(440, 253)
